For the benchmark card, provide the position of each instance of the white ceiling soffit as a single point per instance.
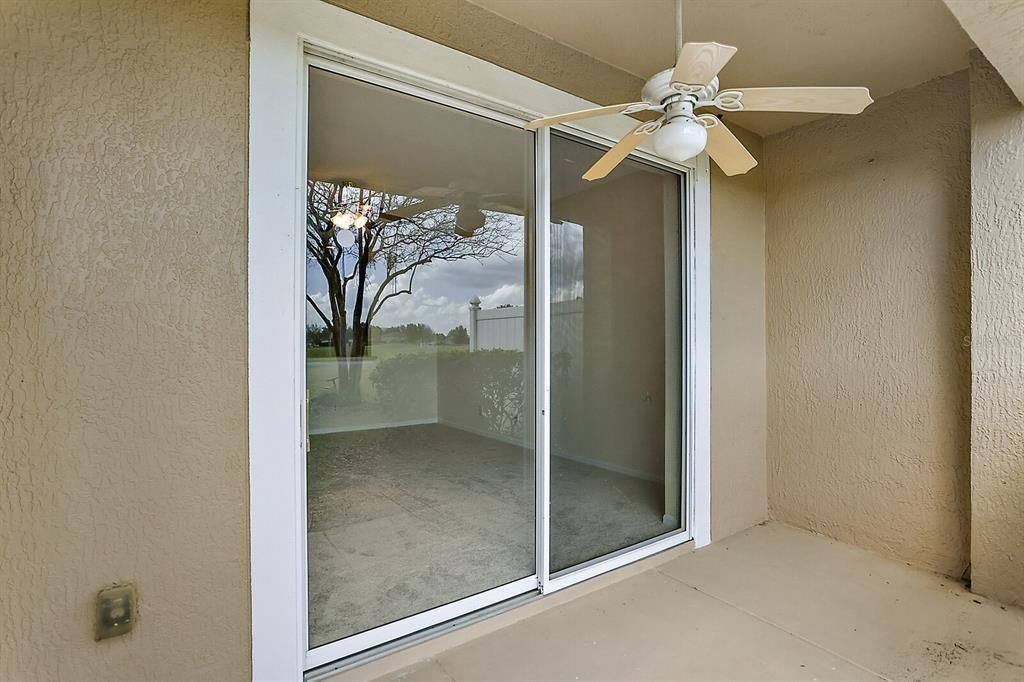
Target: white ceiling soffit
(997, 27)
(886, 45)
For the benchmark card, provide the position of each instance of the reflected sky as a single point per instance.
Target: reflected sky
(441, 292)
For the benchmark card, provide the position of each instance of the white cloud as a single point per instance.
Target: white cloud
(323, 302)
(506, 294)
(439, 312)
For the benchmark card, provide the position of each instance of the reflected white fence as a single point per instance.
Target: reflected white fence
(505, 328)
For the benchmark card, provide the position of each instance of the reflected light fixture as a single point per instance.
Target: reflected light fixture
(343, 219)
(347, 219)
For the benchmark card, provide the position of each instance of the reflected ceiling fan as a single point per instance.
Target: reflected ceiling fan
(680, 133)
(472, 204)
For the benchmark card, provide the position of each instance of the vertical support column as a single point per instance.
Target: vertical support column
(474, 320)
(542, 210)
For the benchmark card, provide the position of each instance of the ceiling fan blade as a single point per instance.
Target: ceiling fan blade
(629, 107)
(727, 151)
(699, 63)
(410, 210)
(432, 192)
(501, 208)
(809, 100)
(614, 156)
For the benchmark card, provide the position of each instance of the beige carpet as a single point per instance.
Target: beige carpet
(406, 519)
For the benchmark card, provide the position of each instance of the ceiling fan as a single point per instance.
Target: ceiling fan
(681, 133)
(470, 216)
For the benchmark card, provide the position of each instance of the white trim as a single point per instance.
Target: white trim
(276, 314)
(334, 651)
(277, 583)
(698, 334)
(542, 317)
(618, 560)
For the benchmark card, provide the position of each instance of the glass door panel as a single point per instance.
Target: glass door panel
(419, 356)
(616, 355)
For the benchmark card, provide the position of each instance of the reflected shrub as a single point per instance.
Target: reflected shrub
(486, 388)
(404, 383)
(483, 391)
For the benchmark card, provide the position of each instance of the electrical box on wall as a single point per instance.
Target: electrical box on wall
(115, 611)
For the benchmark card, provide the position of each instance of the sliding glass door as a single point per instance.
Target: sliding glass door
(616, 355)
(419, 356)
(425, 494)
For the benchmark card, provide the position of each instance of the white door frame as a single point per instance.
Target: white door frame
(281, 34)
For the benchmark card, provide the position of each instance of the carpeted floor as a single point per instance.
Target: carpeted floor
(405, 519)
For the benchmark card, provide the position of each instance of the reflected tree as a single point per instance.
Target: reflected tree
(378, 260)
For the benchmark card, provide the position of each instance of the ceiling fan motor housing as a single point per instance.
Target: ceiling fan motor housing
(662, 93)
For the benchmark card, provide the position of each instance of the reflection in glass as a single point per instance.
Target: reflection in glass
(616, 355)
(420, 467)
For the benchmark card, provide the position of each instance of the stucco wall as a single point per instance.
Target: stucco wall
(739, 420)
(997, 336)
(122, 336)
(868, 295)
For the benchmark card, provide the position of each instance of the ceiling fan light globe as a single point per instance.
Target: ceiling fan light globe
(680, 140)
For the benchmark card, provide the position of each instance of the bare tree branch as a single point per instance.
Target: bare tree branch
(384, 251)
(330, 327)
(376, 305)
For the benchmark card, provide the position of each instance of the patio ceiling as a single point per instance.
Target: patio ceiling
(886, 45)
(346, 144)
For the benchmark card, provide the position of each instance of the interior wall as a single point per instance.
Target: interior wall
(123, 337)
(997, 336)
(619, 348)
(868, 299)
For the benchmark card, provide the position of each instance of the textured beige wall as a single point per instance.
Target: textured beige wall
(997, 337)
(122, 336)
(868, 282)
(739, 420)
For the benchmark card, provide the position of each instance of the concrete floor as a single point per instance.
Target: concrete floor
(405, 519)
(771, 603)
